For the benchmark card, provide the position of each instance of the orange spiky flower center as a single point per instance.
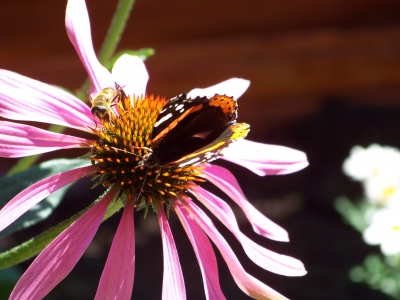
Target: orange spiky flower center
(124, 141)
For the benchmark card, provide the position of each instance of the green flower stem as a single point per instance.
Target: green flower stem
(115, 30)
(26, 162)
(35, 245)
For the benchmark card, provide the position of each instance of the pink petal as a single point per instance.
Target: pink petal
(247, 283)
(78, 29)
(117, 278)
(56, 261)
(17, 140)
(234, 87)
(266, 259)
(173, 283)
(131, 73)
(204, 253)
(37, 192)
(25, 99)
(265, 159)
(225, 181)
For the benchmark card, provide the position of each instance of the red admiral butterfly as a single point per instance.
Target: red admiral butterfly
(193, 131)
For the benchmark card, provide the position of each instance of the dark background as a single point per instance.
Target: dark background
(325, 75)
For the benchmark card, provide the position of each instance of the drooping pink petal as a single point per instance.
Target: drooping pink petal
(234, 87)
(173, 283)
(17, 140)
(247, 283)
(26, 99)
(131, 73)
(225, 181)
(117, 278)
(37, 192)
(204, 253)
(265, 159)
(78, 29)
(56, 261)
(266, 259)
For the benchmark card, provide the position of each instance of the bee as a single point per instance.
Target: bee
(104, 100)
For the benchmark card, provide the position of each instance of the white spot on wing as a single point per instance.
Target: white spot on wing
(189, 162)
(163, 119)
(180, 106)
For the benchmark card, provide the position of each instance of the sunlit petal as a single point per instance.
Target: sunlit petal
(173, 283)
(247, 283)
(234, 87)
(117, 278)
(204, 253)
(271, 261)
(60, 256)
(265, 159)
(78, 29)
(26, 99)
(131, 73)
(225, 181)
(37, 192)
(17, 140)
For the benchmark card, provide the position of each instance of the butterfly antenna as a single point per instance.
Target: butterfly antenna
(141, 188)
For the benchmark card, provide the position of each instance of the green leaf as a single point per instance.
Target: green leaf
(10, 186)
(8, 279)
(36, 244)
(354, 214)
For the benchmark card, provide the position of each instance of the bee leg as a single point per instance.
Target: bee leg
(94, 119)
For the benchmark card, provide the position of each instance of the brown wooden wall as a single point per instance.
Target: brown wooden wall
(295, 52)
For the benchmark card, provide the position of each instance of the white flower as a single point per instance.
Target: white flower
(385, 230)
(383, 190)
(373, 161)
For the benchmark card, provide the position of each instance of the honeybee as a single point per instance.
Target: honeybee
(104, 100)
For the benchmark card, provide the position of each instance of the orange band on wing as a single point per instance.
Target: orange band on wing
(176, 121)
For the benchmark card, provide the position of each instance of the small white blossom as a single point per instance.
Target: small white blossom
(383, 190)
(384, 230)
(376, 160)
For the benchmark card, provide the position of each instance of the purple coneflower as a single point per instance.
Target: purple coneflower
(120, 142)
